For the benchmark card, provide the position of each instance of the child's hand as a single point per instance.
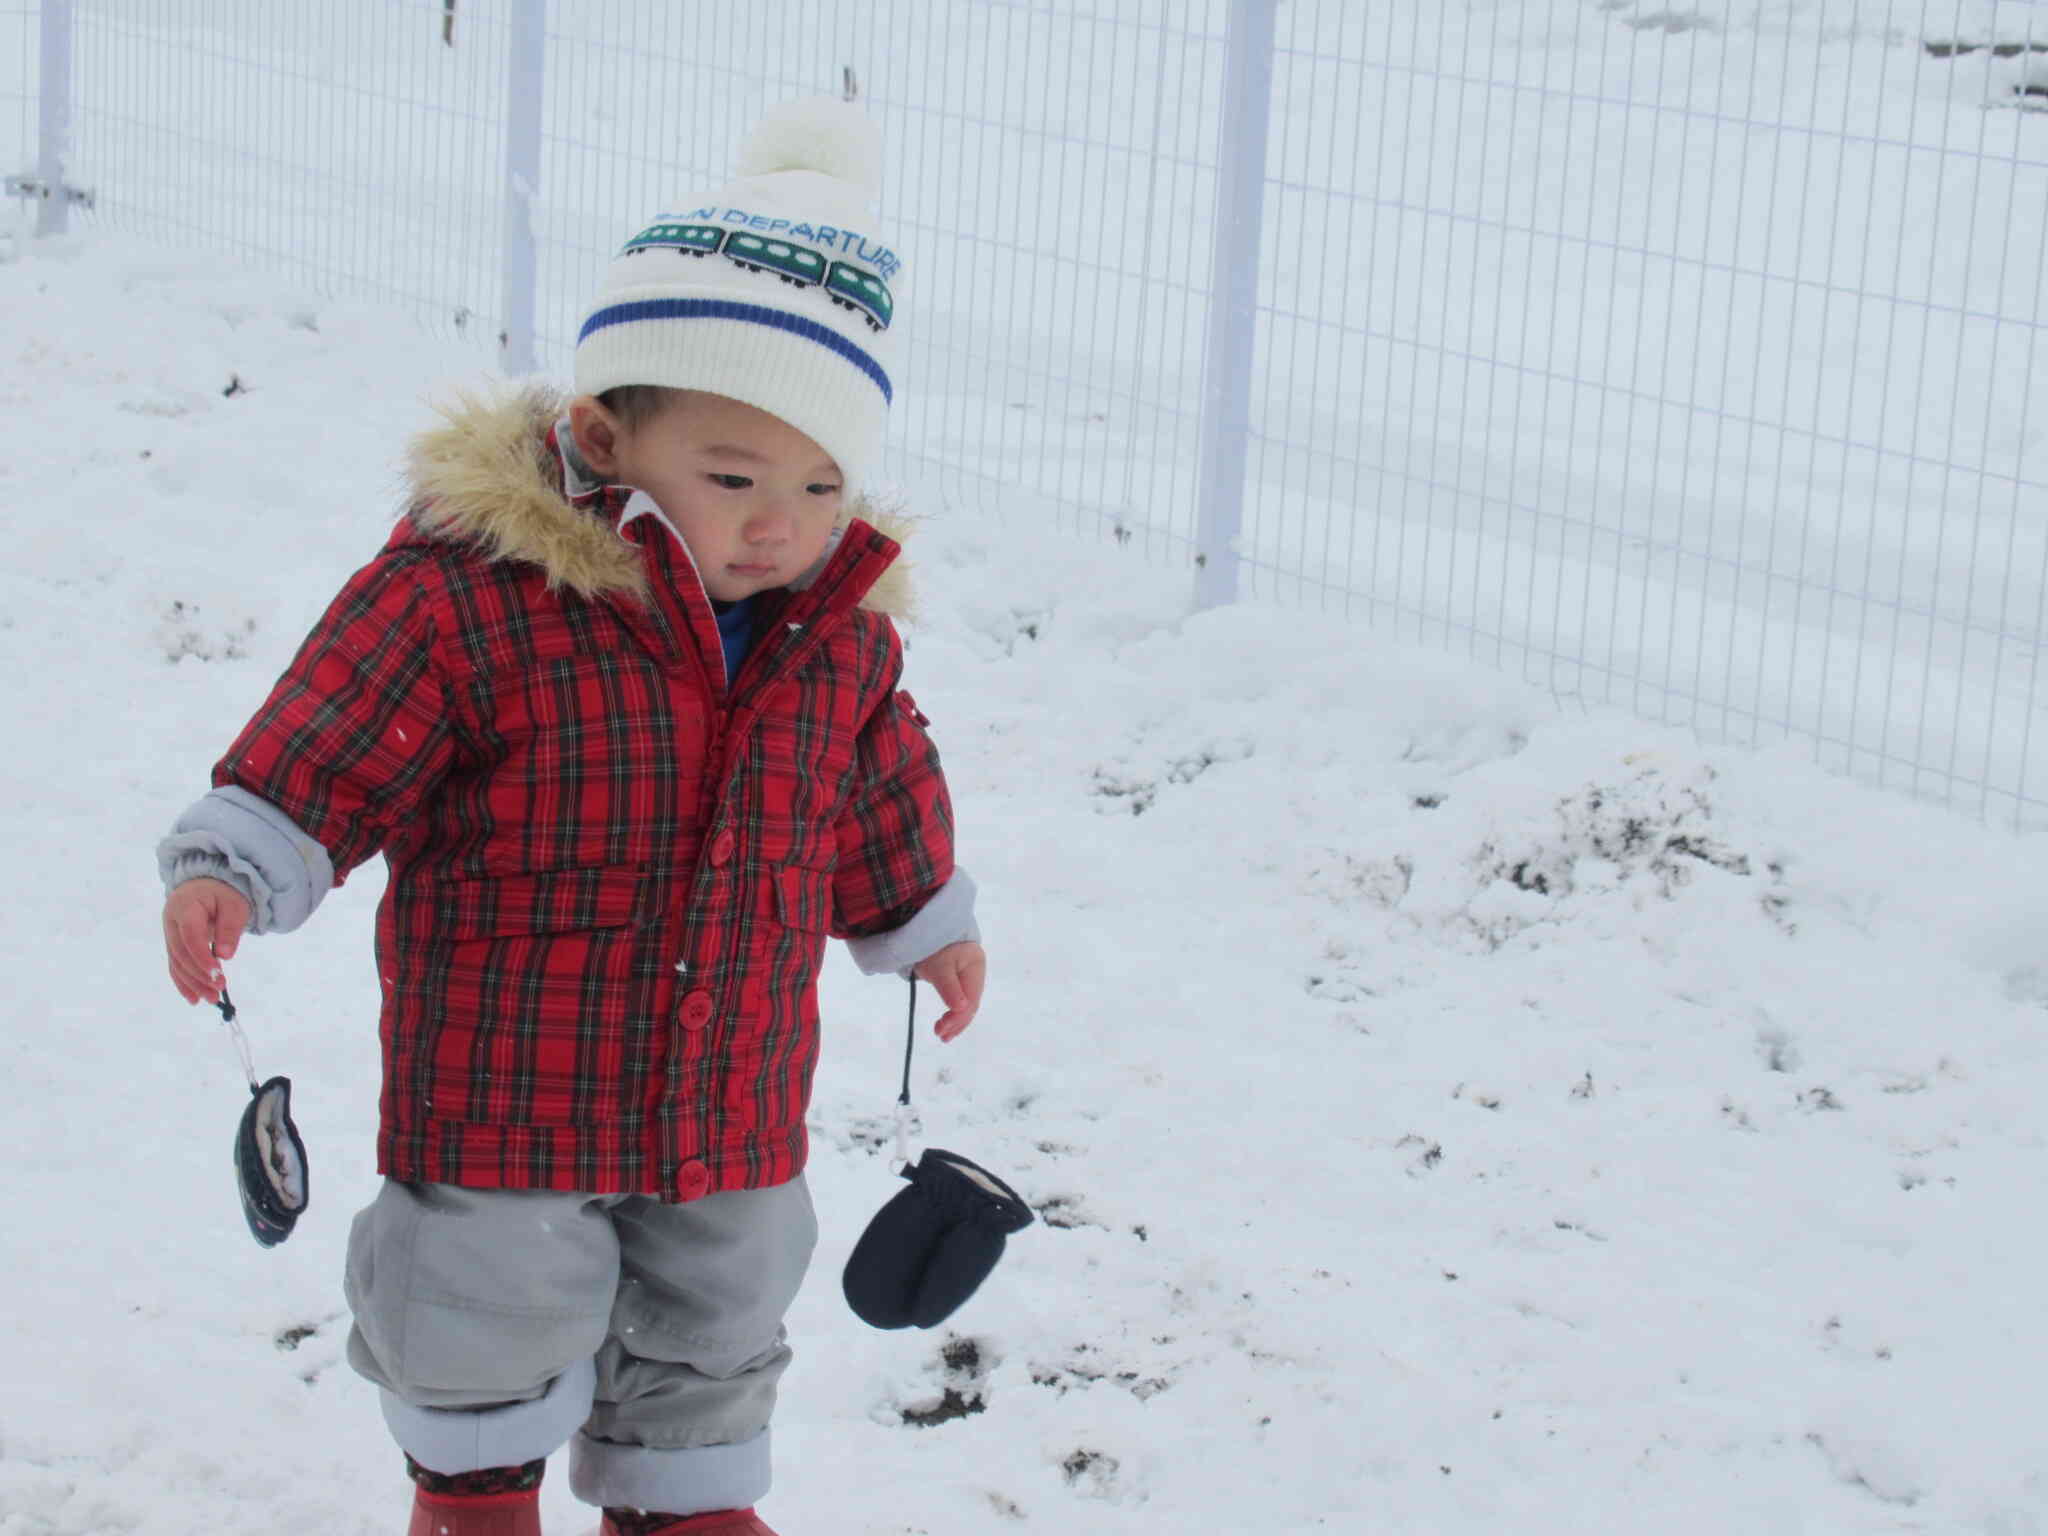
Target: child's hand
(956, 973)
(203, 922)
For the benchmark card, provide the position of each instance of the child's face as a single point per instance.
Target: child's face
(754, 498)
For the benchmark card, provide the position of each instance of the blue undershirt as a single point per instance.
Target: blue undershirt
(735, 633)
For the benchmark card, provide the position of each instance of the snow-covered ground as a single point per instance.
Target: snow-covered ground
(1451, 1113)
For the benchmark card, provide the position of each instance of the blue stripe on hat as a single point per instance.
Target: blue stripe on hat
(753, 314)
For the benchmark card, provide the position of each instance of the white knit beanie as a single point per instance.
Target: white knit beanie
(775, 291)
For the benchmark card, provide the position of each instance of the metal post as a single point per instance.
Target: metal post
(54, 126)
(1233, 297)
(525, 76)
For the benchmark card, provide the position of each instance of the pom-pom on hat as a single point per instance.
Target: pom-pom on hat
(776, 290)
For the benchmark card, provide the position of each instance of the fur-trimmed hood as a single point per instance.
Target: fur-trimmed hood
(486, 475)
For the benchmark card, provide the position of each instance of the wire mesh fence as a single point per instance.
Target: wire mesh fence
(1050, 170)
(1685, 361)
(1681, 359)
(349, 146)
(19, 86)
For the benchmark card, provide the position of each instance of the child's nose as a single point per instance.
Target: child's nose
(775, 523)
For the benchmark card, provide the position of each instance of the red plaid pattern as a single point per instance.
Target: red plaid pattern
(611, 879)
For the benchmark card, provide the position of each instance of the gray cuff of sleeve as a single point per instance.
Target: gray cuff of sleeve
(235, 836)
(179, 859)
(947, 918)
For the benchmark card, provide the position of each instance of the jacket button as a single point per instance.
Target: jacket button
(697, 1010)
(693, 1180)
(721, 849)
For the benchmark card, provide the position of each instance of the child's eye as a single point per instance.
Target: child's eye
(822, 489)
(731, 482)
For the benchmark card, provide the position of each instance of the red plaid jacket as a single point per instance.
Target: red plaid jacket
(612, 878)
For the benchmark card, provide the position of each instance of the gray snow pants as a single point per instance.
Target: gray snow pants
(501, 1324)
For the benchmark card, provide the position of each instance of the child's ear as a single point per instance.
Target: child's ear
(597, 432)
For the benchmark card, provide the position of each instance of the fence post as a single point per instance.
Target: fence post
(54, 119)
(1233, 297)
(525, 77)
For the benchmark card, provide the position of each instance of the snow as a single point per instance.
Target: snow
(1448, 1109)
(1453, 1107)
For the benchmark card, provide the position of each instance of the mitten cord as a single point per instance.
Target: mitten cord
(909, 1044)
(903, 1098)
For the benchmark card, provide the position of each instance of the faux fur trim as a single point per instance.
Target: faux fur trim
(485, 476)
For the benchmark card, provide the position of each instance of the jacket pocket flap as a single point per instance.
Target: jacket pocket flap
(546, 901)
(803, 897)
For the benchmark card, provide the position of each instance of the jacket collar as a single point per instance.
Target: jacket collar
(503, 473)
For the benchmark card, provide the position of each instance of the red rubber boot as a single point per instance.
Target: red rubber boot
(477, 1514)
(723, 1522)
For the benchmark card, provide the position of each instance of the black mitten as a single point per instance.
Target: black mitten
(270, 1163)
(931, 1246)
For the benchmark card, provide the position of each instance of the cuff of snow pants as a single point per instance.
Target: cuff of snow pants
(691, 1481)
(450, 1440)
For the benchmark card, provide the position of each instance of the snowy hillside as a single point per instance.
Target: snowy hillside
(1450, 1114)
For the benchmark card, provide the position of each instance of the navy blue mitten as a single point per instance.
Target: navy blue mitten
(270, 1163)
(931, 1246)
